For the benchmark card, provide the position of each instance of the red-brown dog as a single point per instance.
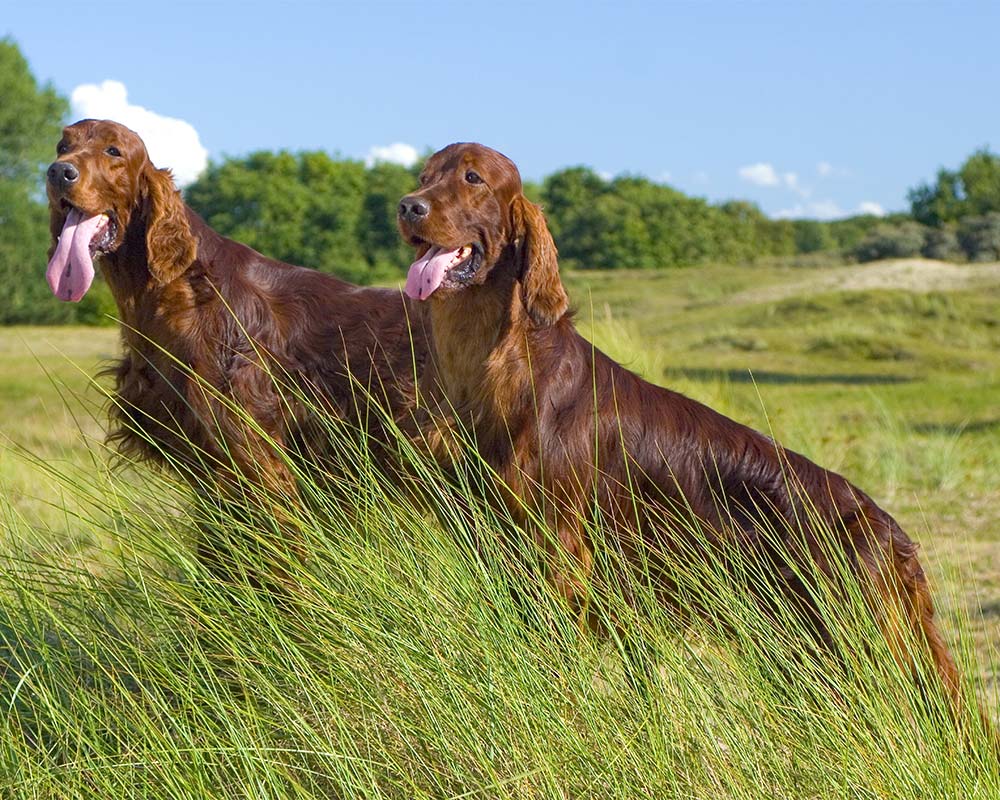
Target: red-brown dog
(577, 439)
(226, 351)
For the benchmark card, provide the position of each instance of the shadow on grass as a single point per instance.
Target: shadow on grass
(785, 378)
(955, 428)
(987, 609)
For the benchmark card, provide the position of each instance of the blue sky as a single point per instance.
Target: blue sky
(808, 109)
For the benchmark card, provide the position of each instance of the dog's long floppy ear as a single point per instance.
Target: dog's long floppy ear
(542, 291)
(170, 246)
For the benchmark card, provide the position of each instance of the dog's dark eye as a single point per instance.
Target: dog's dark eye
(423, 180)
(61, 148)
(472, 177)
(113, 151)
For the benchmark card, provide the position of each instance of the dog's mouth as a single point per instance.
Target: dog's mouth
(71, 268)
(440, 266)
(103, 240)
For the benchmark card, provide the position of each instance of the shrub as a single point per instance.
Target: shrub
(901, 240)
(942, 244)
(980, 237)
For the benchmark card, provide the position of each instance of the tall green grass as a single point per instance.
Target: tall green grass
(418, 654)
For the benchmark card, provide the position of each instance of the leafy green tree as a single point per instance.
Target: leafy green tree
(30, 120)
(332, 223)
(812, 236)
(384, 249)
(30, 126)
(633, 222)
(747, 233)
(972, 190)
(303, 208)
(532, 191)
(849, 232)
(23, 243)
(569, 197)
(939, 203)
(980, 178)
(779, 236)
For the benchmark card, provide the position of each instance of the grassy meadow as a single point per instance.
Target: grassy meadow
(405, 670)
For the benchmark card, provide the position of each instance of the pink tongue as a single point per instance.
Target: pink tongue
(426, 273)
(71, 269)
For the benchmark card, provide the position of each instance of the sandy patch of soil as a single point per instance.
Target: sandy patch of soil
(911, 274)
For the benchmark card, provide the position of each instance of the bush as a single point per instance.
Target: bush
(901, 240)
(942, 244)
(980, 237)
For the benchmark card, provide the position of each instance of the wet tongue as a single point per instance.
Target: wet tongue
(71, 269)
(427, 272)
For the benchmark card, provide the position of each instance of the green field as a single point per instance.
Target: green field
(403, 676)
(887, 373)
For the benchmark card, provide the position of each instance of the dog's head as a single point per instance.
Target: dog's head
(468, 217)
(101, 183)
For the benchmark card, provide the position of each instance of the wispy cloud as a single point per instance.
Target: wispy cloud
(171, 142)
(395, 153)
(819, 209)
(828, 209)
(824, 168)
(791, 180)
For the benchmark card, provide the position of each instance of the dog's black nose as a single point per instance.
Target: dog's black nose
(62, 174)
(413, 208)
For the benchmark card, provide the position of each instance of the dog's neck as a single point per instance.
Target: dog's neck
(481, 338)
(140, 297)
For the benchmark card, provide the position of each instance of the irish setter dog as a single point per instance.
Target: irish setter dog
(226, 353)
(577, 440)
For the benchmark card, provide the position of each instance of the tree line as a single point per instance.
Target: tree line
(338, 215)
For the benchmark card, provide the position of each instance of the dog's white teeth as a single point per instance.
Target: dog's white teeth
(460, 255)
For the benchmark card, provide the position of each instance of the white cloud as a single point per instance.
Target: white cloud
(762, 174)
(395, 153)
(824, 168)
(171, 142)
(871, 207)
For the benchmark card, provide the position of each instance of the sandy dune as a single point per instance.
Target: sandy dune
(912, 274)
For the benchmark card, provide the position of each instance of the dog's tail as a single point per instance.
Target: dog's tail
(906, 616)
